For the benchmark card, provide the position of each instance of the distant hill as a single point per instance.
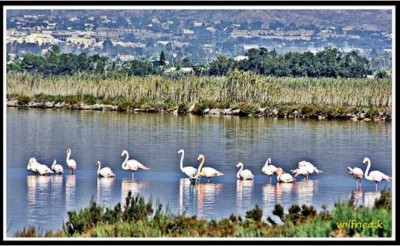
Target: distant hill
(368, 20)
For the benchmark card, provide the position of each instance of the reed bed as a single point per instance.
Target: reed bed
(234, 88)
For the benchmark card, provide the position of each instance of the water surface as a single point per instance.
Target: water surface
(154, 140)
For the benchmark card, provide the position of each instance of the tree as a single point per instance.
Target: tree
(186, 62)
(163, 59)
(221, 66)
(33, 63)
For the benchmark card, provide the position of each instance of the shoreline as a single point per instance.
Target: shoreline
(318, 112)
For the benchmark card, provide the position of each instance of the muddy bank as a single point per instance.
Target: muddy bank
(283, 111)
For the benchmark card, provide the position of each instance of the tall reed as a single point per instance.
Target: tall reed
(236, 87)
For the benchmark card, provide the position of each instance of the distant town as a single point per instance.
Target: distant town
(142, 34)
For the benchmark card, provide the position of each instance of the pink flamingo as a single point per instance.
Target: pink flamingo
(357, 173)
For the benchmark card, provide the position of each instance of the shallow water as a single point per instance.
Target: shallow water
(154, 140)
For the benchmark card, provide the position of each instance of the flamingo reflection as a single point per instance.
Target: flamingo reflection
(187, 195)
(105, 191)
(206, 196)
(268, 198)
(358, 196)
(244, 188)
(370, 197)
(38, 197)
(70, 183)
(306, 190)
(133, 185)
(283, 192)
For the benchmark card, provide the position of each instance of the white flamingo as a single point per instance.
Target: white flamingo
(304, 166)
(376, 176)
(131, 165)
(57, 168)
(244, 174)
(284, 177)
(269, 169)
(71, 163)
(188, 170)
(43, 169)
(105, 172)
(357, 173)
(207, 172)
(32, 165)
(301, 171)
(310, 167)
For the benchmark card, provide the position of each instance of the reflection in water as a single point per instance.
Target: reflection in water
(244, 189)
(38, 197)
(136, 187)
(358, 197)
(306, 190)
(70, 183)
(284, 193)
(186, 197)
(105, 191)
(206, 195)
(268, 198)
(56, 196)
(370, 197)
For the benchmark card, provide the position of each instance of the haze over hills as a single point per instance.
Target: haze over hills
(369, 20)
(206, 34)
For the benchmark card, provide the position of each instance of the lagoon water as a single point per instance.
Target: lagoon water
(154, 139)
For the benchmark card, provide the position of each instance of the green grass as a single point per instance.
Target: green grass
(141, 218)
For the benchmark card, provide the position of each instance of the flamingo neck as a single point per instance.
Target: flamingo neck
(367, 170)
(181, 163)
(98, 164)
(68, 155)
(201, 165)
(54, 163)
(240, 170)
(269, 161)
(124, 166)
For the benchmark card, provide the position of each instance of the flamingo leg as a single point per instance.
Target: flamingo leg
(376, 186)
(270, 179)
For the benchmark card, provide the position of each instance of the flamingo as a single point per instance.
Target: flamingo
(304, 166)
(243, 174)
(301, 171)
(43, 169)
(206, 171)
(188, 170)
(376, 176)
(132, 165)
(105, 172)
(284, 177)
(357, 173)
(32, 165)
(71, 163)
(269, 169)
(57, 168)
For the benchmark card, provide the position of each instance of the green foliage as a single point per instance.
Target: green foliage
(23, 100)
(72, 100)
(89, 99)
(138, 218)
(254, 214)
(278, 211)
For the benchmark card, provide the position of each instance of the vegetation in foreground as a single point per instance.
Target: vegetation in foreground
(249, 92)
(140, 218)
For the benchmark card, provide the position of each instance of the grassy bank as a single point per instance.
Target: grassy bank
(141, 218)
(251, 93)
